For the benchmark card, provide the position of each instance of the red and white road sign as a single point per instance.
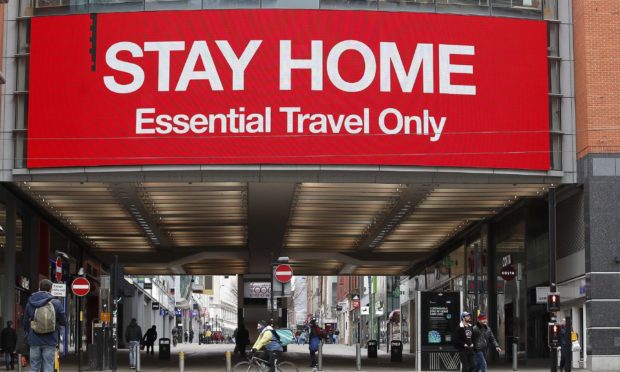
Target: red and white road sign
(58, 270)
(356, 302)
(283, 273)
(80, 286)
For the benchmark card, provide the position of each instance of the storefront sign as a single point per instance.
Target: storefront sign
(257, 290)
(288, 87)
(508, 272)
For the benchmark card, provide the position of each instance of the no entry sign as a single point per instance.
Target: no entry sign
(80, 287)
(283, 273)
(58, 270)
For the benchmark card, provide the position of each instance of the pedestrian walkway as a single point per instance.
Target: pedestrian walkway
(336, 358)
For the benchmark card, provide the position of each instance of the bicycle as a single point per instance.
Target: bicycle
(256, 364)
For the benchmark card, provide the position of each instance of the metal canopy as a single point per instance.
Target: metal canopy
(218, 228)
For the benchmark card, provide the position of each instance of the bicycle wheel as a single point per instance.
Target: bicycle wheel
(287, 367)
(245, 366)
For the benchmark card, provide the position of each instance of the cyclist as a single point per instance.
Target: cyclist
(267, 342)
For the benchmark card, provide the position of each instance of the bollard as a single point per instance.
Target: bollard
(320, 356)
(138, 359)
(515, 350)
(181, 361)
(228, 362)
(19, 363)
(358, 357)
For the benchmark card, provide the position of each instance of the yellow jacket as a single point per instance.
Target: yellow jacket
(263, 339)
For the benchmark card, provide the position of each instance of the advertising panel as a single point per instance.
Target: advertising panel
(288, 87)
(439, 320)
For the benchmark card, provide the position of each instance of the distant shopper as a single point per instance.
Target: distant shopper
(8, 344)
(483, 337)
(191, 336)
(314, 339)
(464, 342)
(149, 339)
(42, 320)
(566, 346)
(133, 335)
(242, 340)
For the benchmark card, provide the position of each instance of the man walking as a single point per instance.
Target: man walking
(566, 346)
(149, 339)
(8, 343)
(464, 342)
(483, 337)
(44, 315)
(133, 335)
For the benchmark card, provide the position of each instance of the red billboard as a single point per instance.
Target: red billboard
(288, 87)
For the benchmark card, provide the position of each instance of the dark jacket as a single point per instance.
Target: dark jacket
(37, 300)
(464, 338)
(133, 332)
(243, 337)
(8, 339)
(483, 336)
(150, 336)
(565, 342)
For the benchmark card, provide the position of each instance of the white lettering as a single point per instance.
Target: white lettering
(164, 48)
(132, 69)
(446, 69)
(423, 57)
(314, 64)
(370, 66)
(238, 64)
(141, 120)
(199, 50)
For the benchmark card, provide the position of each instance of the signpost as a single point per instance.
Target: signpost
(80, 287)
(58, 269)
(283, 273)
(59, 290)
(356, 302)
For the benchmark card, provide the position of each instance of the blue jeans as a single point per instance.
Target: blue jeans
(9, 359)
(42, 358)
(481, 362)
(134, 348)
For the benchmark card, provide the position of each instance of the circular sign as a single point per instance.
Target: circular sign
(80, 286)
(58, 270)
(283, 273)
(508, 272)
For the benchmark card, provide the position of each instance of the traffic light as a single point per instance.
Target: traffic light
(553, 302)
(553, 332)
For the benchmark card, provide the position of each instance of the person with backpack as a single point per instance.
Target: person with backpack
(42, 319)
(316, 334)
(268, 343)
(8, 344)
(133, 335)
(149, 339)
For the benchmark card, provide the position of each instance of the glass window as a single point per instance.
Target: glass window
(520, 8)
(463, 6)
(108, 6)
(349, 4)
(230, 4)
(50, 7)
(291, 4)
(173, 4)
(408, 5)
